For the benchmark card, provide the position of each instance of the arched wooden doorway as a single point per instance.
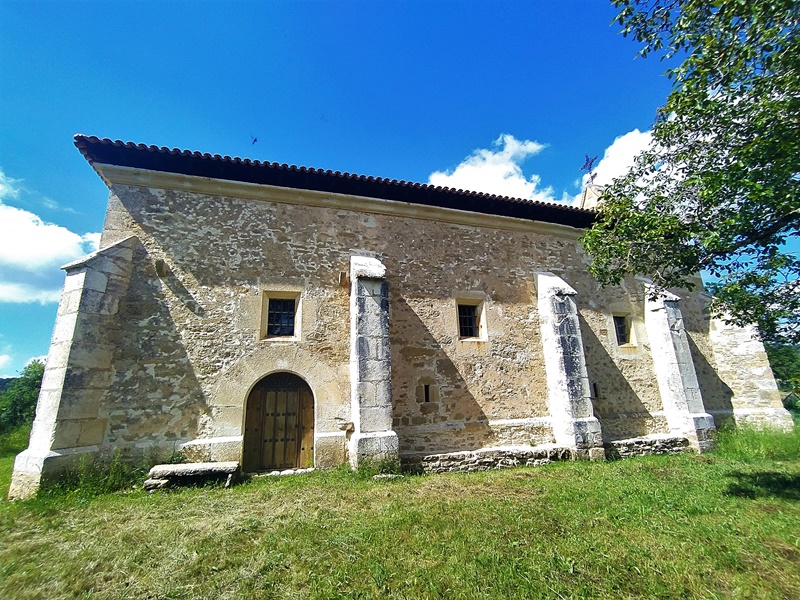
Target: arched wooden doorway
(279, 425)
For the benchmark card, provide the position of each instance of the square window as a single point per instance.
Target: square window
(622, 328)
(280, 317)
(468, 321)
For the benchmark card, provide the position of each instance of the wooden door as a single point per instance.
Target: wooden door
(279, 425)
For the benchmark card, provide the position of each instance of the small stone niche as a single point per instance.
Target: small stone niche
(427, 393)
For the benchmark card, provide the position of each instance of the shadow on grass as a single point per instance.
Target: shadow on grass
(764, 484)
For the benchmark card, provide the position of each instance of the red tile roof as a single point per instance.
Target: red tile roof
(153, 158)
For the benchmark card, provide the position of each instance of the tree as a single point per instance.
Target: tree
(18, 401)
(719, 189)
(785, 362)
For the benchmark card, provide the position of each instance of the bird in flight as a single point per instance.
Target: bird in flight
(255, 139)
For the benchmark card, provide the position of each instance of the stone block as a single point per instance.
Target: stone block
(374, 370)
(100, 303)
(216, 449)
(193, 470)
(90, 355)
(24, 484)
(330, 451)
(370, 325)
(70, 302)
(65, 328)
(80, 380)
(95, 280)
(78, 404)
(92, 432)
(365, 393)
(597, 454)
(227, 420)
(365, 266)
(375, 394)
(67, 434)
(74, 281)
(376, 419)
(373, 347)
(53, 377)
(369, 447)
(330, 416)
(58, 355)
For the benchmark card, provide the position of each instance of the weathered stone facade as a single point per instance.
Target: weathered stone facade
(164, 334)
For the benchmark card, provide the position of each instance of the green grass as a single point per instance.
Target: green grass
(11, 443)
(721, 525)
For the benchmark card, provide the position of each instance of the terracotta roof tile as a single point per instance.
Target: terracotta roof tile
(186, 162)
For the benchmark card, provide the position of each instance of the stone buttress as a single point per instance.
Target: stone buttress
(743, 365)
(69, 421)
(574, 423)
(675, 371)
(370, 364)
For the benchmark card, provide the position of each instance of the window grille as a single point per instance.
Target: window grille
(467, 320)
(280, 317)
(622, 329)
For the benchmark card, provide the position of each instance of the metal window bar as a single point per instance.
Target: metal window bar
(280, 317)
(622, 330)
(467, 320)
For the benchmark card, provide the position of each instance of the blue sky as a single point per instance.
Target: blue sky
(503, 96)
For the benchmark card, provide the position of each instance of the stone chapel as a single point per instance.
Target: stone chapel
(287, 317)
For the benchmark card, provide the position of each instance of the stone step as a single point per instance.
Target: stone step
(203, 469)
(164, 476)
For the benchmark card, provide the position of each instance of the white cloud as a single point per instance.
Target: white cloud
(27, 293)
(5, 360)
(9, 188)
(618, 157)
(32, 250)
(28, 243)
(497, 171)
(92, 239)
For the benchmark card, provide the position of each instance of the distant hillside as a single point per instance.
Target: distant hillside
(5, 382)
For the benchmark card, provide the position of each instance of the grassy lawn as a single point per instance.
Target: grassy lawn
(722, 525)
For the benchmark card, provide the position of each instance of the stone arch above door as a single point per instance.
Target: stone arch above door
(329, 384)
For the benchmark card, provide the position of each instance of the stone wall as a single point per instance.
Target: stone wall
(645, 446)
(489, 459)
(223, 252)
(625, 399)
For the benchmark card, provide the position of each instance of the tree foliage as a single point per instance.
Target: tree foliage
(18, 401)
(785, 362)
(719, 188)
